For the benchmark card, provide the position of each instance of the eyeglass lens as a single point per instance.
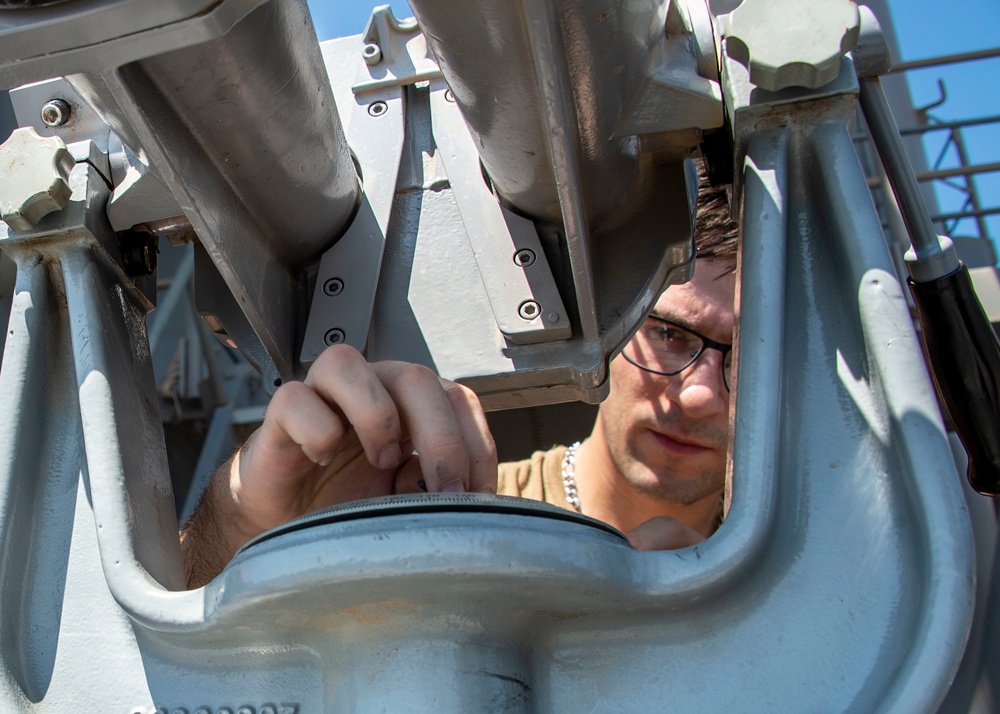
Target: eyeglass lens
(669, 349)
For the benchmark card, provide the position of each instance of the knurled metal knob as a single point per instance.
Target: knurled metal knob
(34, 178)
(792, 43)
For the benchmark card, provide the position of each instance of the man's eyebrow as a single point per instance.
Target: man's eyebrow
(674, 319)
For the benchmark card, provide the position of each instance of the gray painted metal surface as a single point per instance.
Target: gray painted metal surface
(843, 578)
(974, 689)
(57, 608)
(202, 109)
(402, 292)
(84, 123)
(513, 267)
(349, 271)
(8, 273)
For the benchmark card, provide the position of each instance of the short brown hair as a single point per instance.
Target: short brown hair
(716, 234)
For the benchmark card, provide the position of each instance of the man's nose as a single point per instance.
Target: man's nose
(700, 390)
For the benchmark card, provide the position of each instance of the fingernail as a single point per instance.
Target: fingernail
(422, 484)
(455, 486)
(319, 459)
(487, 489)
(390, 456)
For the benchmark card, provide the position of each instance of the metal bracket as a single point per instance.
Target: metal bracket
(39, 44)
(344, 296)
(140, 196)
(525, 301)
(81, 123)
(395, 54)
(681, 88)
(88, 152)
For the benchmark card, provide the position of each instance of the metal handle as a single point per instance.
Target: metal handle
(965, 362)
(962, 348)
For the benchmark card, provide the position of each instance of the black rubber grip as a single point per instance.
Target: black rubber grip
(965, 362)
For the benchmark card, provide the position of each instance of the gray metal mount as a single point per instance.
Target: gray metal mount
(498, 191)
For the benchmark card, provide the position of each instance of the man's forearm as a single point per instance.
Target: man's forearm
(210, 538)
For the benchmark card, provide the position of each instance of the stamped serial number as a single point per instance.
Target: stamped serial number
(283, 708)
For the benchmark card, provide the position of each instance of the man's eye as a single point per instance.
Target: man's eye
(670, 334)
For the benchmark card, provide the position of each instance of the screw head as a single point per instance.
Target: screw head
(56, 112)
(334, 336)
(333, 287)
(372, 53)
(524, 257)
(377, 109)
(529, 310)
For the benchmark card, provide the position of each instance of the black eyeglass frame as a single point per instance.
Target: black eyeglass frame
(706, 343)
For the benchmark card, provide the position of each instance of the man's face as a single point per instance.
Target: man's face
(668, 436)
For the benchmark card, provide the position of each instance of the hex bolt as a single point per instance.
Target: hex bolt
(449, 96)
(56, 112)
(334, 336)
(377, 109)
(372, 53)
(333, 287)
(529, 310)
(524, 257)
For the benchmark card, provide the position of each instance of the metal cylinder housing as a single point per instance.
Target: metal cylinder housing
(603, 49)
(258, 103)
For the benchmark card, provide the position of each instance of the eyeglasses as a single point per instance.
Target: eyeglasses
(664, 347)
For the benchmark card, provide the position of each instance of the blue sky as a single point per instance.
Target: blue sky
(923, 28)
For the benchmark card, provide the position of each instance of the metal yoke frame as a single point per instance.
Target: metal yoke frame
(840, 579)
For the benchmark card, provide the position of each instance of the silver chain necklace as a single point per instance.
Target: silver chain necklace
(568, 477)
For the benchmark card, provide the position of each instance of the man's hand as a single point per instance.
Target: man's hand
(349, 431)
